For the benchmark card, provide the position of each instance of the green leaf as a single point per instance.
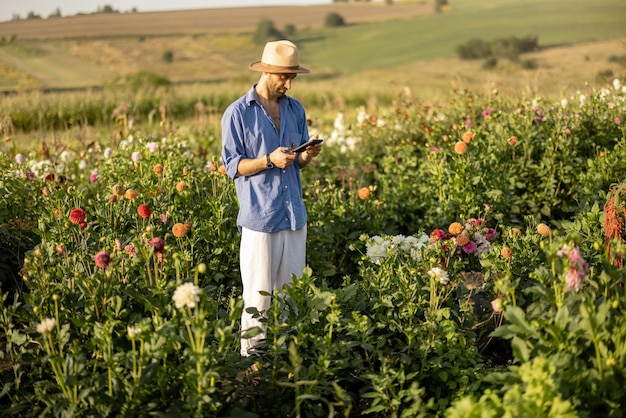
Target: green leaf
(520, 349)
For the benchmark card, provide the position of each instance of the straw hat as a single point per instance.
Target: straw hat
(279, 57)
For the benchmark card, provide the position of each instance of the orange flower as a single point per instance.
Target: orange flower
(158, 169)
(445, 138)
(455, 228)
(544, 230)
(506, 252)
(222, 170)
(45, 191)
(513, 140)
(179, 230)
(460, 147)
(187, 225)
(180, 186)
(462, 240)
(185, 170)
(468, 137)
(113, 198)
(364, 193)
(131, 194)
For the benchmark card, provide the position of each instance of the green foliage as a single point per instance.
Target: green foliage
(456, 267)
(509, 48)
(333, 20)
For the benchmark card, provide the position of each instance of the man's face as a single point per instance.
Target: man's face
(280, 83)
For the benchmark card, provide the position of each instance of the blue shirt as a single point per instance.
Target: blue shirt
(270, 200)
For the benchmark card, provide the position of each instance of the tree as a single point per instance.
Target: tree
(56, 13)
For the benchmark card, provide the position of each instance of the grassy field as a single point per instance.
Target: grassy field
(387, 42)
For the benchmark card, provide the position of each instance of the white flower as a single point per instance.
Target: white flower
(133, 332)
(377, 249)
(616, 84)
(136, 156)
(108, 152)
(82, 164)
(564, 102)
(440, 274)
(187, 294)
(19, 158)
(582, 98)
(65, 157)
(152, 146)
(45, 326)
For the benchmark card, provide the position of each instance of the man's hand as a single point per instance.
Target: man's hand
(282, 157)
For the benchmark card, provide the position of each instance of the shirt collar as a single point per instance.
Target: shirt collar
(252, 96)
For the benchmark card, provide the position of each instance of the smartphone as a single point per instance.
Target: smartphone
(306, 144)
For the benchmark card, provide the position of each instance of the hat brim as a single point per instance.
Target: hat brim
(266, 68)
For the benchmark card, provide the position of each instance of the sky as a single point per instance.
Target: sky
(44, 8)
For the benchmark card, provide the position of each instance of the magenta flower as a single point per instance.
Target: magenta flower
(487, 112)
(491, 234)
(470, 247)
(617, 120)
(93, 177)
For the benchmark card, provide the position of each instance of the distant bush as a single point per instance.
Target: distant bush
(604, 76)
(490, 63)
(509, 48)
(289, 30)
(529, 64)
(334, 20)
(618, 59)
(266, 31)
(168, 56)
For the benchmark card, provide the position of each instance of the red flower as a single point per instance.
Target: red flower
(157, 243)
(144, 211)
(437, 235)
(78, 216)
(102, 259)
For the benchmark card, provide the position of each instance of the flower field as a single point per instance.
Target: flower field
(464, 261)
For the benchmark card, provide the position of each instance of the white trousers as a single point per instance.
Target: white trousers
(267, 261)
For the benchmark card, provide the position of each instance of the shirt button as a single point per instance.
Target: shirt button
(286, 202)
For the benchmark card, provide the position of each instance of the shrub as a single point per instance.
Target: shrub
(529, 64)
(490, 63)
(266, 31)
(168, 56)
(334, 20)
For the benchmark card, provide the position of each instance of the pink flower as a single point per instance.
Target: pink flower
(118, 243)
(130, 250)
(617, 120)
(573, 280)
(487, 112)
(93, 177)
(20, 159)
(491, 234)
(468, 123)
(497, 305)
(157, 243)
(102, 259)
(163, 218)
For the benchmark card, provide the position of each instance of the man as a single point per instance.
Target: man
(259, 132)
